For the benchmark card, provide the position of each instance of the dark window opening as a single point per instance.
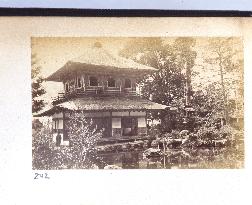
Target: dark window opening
(111, 82)
(65, 135)
(103, 124)
(58, 140)
(67, 87)
(129, 126)
(127, 83)
(79, 83)
(71, 83)
(93, 81)
(55, 125)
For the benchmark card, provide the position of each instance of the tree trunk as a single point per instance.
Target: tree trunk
(223, 92)
(188, 85)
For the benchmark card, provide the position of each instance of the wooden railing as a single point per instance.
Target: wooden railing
(94, 91)
(60, 98)
(99, 90)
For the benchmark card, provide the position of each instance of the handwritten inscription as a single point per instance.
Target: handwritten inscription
(41, 176)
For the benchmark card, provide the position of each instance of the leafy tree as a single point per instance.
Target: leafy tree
(174, 60)
(43, 154)
(36, 124)
(208, 104)
(37, 89)
(167, 85)
(83, 138)
(80, 154)
(186, 60)
(226, 54)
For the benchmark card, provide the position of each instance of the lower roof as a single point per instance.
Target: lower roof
(103, 104)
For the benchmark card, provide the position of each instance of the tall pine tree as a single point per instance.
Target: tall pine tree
(226, 54)
(37, 88)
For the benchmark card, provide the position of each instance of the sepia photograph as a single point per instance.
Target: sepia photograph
(137, 102)
(125, 110)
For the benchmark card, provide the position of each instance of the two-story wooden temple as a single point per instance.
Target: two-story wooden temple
(102, 85)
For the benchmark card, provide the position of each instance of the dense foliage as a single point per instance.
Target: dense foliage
(174, 61)
(83, 138)
(80, 154)
(224, 93)
(37, 88)
(178, 81)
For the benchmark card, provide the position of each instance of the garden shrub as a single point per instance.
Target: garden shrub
(81, 153)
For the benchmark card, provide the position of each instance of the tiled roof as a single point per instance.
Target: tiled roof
(104, 104)
(102, 57)
(99, 58)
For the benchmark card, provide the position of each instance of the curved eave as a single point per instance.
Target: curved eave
(52, 111)
(104, 104)
(49, 112)
(70, 67)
